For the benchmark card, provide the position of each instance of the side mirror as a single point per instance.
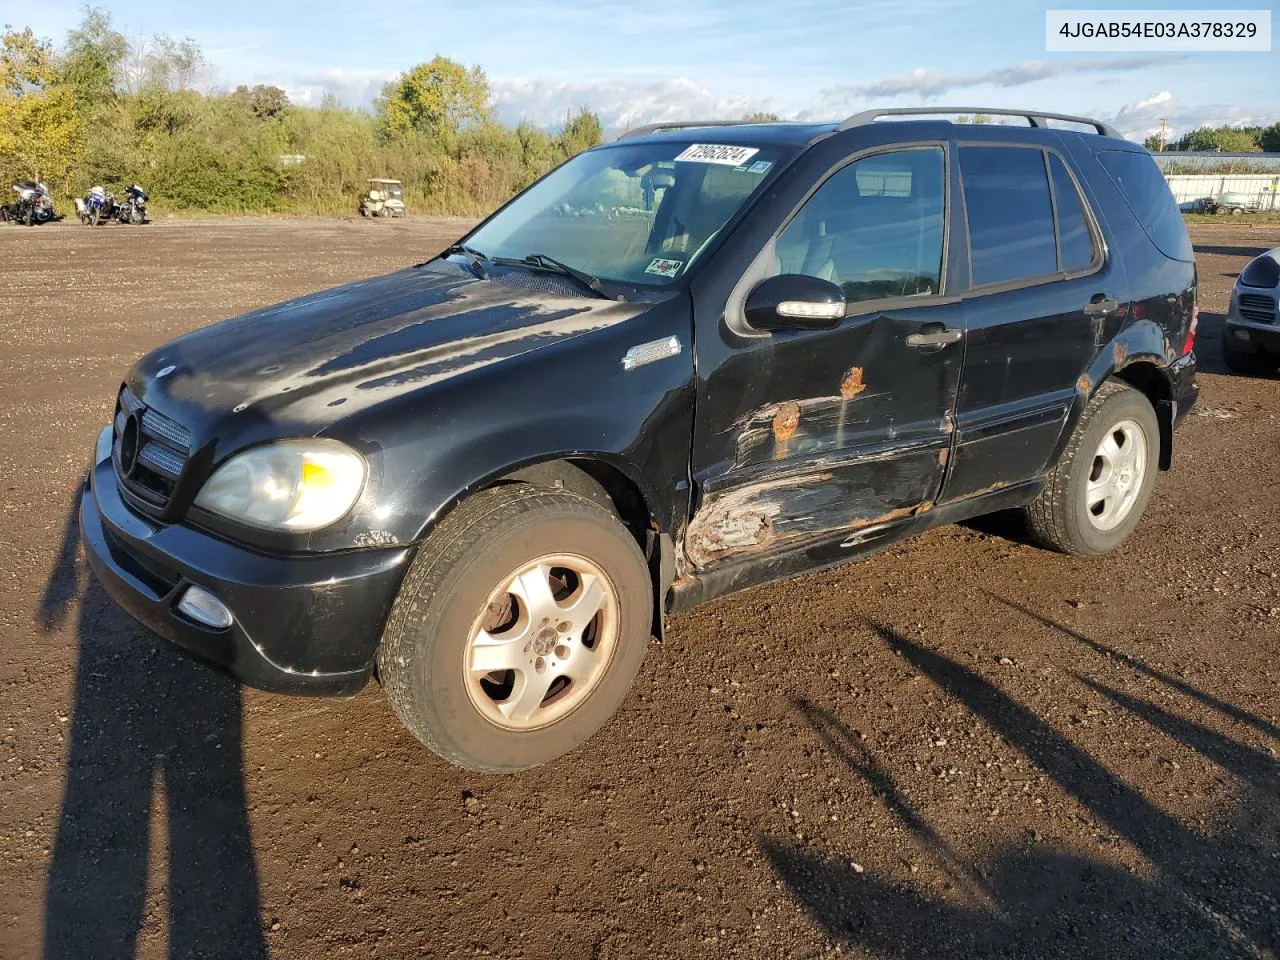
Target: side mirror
(793, 301)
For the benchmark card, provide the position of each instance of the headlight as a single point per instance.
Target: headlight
(1264, 271)
(290, 485)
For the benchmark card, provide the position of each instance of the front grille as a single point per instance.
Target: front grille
(163, 448)
(1257, 307)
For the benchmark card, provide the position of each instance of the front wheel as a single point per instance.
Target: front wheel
(1097, 491)
(519, 628)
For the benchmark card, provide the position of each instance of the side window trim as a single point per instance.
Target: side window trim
(1095, 231)
(736, 320)
(1004, 286)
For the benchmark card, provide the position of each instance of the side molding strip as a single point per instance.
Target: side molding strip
(651, 352)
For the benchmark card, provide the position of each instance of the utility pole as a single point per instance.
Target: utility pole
(1164, 132)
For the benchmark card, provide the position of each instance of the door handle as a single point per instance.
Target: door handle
(1100, 305)
(938, 338)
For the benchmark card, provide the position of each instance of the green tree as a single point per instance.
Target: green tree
(435, 99)
(93, 57)
(1224, 139)
(759, 117)
(264, 101)
(172, 64)
(1269, 138)
(581, 132)
(1153, 143)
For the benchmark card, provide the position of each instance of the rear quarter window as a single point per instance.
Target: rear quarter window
(1144, 189)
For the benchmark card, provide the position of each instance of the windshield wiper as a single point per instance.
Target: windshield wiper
(555, 266)
(475, 261)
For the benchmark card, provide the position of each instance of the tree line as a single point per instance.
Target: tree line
(104, 109)
(1222, 139)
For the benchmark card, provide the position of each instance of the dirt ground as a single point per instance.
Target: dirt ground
(963, 746)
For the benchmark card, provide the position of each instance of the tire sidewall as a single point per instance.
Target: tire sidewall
(444, 622)
(1126, 405)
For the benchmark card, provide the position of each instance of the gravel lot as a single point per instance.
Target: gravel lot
(964, 746)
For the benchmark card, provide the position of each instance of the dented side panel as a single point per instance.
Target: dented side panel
(810, 436)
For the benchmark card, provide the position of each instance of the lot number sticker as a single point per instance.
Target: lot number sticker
(717, 153)
(664, 268)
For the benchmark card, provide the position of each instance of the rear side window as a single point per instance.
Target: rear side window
(1144, 189)
(1074, 238)
(1009, 212)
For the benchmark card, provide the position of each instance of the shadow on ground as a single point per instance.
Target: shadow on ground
(1206, 895)
(148, 726)
(1231, 251)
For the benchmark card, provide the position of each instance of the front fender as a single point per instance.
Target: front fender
(570, 401)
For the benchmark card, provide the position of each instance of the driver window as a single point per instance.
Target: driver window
(874, 228)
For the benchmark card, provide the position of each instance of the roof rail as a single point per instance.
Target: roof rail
(677, 125)
(1036, 118)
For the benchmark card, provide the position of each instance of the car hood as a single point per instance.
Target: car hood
(323, 356)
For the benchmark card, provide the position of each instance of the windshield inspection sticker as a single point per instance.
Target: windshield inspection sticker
(717, 153)
(664, 268)
(760, 166)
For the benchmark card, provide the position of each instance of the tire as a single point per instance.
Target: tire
(461, 577)
(1255, 363)
(1065, 516)
(93, 217)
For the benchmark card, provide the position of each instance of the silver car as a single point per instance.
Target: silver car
(1251, 334)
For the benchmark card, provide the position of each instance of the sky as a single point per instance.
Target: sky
(639, 62)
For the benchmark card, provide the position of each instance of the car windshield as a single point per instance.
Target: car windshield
(637, 213)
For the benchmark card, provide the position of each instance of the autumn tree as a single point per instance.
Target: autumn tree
(40, 130)
(435, 100)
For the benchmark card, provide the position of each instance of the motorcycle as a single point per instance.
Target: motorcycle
(33, 206)
(98, 205)
(133, 208)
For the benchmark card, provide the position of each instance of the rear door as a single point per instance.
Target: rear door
(1043, 295)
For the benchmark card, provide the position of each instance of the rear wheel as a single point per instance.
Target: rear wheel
(519, 628)
(1097, 491)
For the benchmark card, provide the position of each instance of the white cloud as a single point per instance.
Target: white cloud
(1141, 118)
(355, 89)
(619, 103)
(928, 84)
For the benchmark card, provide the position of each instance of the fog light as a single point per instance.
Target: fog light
(1242, 335)
(203, 607)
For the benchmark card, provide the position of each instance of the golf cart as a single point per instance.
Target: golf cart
(384, 199)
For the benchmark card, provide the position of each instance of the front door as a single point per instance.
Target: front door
(818, 440)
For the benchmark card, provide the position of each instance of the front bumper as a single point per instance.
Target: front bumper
(1250, 336)
(307, 624)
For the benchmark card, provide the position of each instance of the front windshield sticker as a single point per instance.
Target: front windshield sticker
(729, 156)
(664, 268)
(760, 166)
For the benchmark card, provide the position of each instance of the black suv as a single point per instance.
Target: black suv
(702, 357)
